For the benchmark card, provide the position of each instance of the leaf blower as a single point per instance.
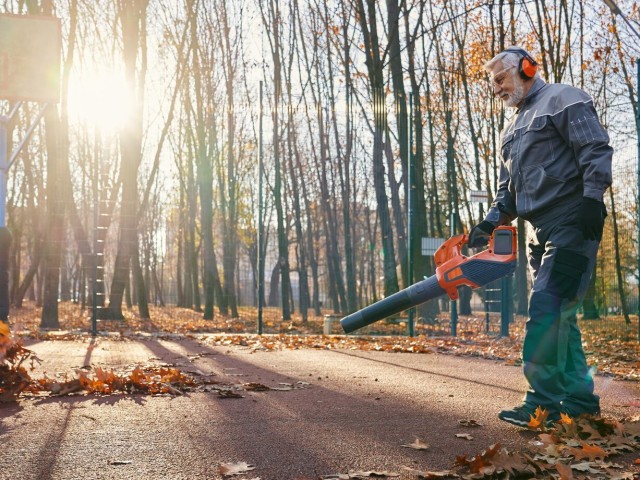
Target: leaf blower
(452, 270)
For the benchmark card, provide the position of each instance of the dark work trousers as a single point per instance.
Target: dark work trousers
(561, 262)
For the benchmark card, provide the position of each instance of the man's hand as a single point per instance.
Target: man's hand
(480, 234)
(591, 218)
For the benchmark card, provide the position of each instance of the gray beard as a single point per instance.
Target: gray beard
(516, 97)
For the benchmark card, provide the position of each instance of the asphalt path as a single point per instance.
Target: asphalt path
(349, 411)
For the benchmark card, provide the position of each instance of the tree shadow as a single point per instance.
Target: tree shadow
(347, 418)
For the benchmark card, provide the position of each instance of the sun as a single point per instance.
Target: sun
(102, 100)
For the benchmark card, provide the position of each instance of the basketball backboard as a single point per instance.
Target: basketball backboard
(30, 58)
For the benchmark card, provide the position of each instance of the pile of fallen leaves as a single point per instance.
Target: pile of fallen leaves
(14, 377)
(149, 380)
(578, 448)
(573, 448)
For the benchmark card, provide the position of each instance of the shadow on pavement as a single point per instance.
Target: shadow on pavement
(323, 430)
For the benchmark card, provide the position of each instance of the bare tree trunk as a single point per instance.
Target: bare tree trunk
(375, 66)
(52, 247)
(272, 21)
(57, 143)
(400, 100)
(229, 202)
(422, 264)
(204, 170)
(132, 14)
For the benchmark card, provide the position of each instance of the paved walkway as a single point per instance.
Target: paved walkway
(354, 411)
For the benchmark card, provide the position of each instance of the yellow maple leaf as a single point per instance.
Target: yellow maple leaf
(539, 419)
(565, 419)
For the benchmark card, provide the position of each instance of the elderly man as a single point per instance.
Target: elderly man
(556, 166)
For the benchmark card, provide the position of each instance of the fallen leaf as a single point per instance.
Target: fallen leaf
(539, 418)
(565, 471)
(372, 474)
(585, 467)
(512, 463)
(469, 423)
(592, 452)
(121, 462)
(417, 445)
(255, 387)
(239, 468)
(466, 436)
(431, 475)
(228, 394)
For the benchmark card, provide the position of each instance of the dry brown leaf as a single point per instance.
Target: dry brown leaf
(592, 452)
(466, 436)
(513, 463)
(372, 474)
(255, 387)
(239, 468)
(585, 467)
(418, 444)
(228, 394)
(565, 471)
(431, 475)
(469, 423)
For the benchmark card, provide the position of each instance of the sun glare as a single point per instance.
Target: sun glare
(101, 100)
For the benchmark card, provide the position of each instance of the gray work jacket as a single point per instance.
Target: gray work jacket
(554, 152)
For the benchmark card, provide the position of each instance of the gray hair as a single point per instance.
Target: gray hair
(508, 59)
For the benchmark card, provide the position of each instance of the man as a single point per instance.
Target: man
(556, 166)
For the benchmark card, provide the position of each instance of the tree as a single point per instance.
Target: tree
(132, 15)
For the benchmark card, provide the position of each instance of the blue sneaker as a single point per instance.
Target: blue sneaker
(523, 415)
(575, 412)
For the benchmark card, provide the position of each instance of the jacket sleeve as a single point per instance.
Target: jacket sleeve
(578, 124)
(503, 208)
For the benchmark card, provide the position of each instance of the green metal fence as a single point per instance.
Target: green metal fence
(615, 283)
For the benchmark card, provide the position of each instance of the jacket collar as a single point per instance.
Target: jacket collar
(538, 84)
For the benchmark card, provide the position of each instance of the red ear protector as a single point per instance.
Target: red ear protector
(527, 67)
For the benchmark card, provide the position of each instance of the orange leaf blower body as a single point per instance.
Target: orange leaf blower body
(452, 270)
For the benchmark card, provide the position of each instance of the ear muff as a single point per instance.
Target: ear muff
(527, 67)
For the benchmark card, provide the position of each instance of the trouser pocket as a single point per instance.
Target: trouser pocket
(566, 273)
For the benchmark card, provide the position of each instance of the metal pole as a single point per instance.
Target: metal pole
(410, 210)
(260, 224)
(96, 232)
(3, 170)
(638, 181)
(454, 303)
(5, 235)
